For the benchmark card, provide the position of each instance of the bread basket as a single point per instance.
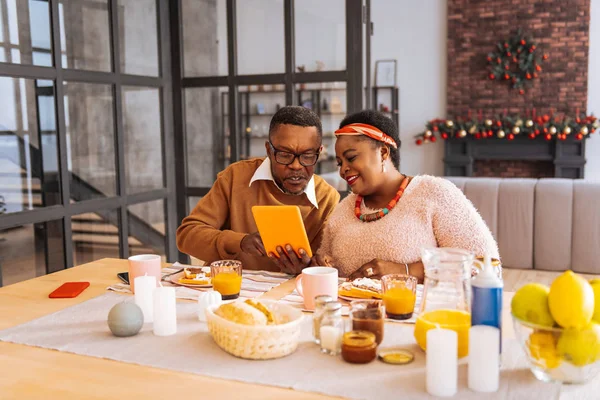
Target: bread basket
(257, 342)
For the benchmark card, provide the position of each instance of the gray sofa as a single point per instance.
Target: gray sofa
(546, 224)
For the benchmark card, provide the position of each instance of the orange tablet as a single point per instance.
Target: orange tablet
(281, 225)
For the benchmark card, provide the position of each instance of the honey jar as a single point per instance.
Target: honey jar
(359, 347)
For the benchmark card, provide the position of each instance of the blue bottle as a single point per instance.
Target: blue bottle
(486, 304)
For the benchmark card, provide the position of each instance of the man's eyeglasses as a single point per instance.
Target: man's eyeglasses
(287, 158)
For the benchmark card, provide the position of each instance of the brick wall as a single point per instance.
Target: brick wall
(513, 169)
(560, 28)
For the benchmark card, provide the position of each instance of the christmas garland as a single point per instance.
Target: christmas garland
(517, 61)
(507, 127)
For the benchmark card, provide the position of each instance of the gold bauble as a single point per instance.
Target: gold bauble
(596, 124)
(529, 123)
(567, 130)
(428, 133)
(553, 130)
(488, 122)
(519, 122)
(501, 134)
(516, 130)
(462, 133)
(585, 130)
(473, 129)
(248, 129)
(449, 123)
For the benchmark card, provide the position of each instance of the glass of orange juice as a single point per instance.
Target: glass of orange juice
(399, 295)
(226, 276)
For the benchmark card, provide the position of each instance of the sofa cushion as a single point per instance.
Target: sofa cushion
(553, 224)
(586, 227)
(515, 222)
(483, 193)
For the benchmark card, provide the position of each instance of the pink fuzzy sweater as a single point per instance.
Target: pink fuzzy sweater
(431, 213)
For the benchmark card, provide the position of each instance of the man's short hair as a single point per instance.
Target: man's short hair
(296, 115)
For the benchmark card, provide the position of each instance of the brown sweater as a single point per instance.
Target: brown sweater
(221, 219)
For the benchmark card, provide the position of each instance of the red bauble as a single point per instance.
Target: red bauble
(548, 137)
(498, 60)
(535, 75)
(433, 139)
(506, 77)
(489, 59)
(545, 57)
(521, 91)
(419, 142)
(506, 45)
(537, 132)
(444, 135)
(515, 60)
(578, 120)
(592, 130)
(514, 80)
(531, 50)
(532, 135)
(579, 136)
(511, 136)
(545, 130)
(498, 123)
(538, 68)
(528, 75)
(484, 135)
(492, 76)
(490, 133)
(546, 118)
(522, 42)
(533, 47)
(507, 67)
(478, 135)
(509, 54)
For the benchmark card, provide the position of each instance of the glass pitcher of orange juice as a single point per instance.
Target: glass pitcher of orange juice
(446, 299)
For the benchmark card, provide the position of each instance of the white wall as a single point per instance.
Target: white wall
(414, 33)
(592, 167)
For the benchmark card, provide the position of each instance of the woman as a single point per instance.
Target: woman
(382, 226)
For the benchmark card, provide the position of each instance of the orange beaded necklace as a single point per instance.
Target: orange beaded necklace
(381, 213)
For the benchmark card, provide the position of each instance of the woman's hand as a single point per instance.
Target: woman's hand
(377, 268)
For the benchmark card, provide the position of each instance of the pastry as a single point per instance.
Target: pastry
(195, 276)
(362, 288)
(247, 312)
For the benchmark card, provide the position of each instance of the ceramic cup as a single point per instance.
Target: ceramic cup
(315, 281)
(144, 264)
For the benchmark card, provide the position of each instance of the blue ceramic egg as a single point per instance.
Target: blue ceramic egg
(125, 319)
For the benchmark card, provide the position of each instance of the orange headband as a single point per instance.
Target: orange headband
(367, 130)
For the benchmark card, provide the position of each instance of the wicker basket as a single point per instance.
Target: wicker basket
(257, 342)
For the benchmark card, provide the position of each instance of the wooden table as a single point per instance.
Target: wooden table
(29, 372)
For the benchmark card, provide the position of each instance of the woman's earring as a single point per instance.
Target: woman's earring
(383, 167)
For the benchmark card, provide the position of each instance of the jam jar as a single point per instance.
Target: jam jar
(359, 347)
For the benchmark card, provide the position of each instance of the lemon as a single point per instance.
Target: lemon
(580, 347)
(571, 301)
(542, 347)
(596, 287)
(530, 304)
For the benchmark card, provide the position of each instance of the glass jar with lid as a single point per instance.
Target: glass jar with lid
(359, 347)
(320, 302)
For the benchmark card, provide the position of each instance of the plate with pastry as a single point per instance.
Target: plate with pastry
(193, 277)
(361, 288)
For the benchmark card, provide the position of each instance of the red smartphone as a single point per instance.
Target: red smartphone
(69, 290)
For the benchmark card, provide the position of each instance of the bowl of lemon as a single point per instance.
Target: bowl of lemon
(558, 327)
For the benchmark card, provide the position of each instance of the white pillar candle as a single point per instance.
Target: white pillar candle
(442, 362)
(144, 289)
(165, 311)
(331, 339)
(484, 358)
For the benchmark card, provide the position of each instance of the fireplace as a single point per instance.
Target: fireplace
(521, 157)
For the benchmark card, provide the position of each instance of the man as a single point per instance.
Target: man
(221, 226)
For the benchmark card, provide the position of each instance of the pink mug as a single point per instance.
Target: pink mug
(314, 281)
(144, 264)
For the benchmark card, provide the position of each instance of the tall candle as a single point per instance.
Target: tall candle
(144, 289)
(484, 358)
(442, 362)
(165, 311)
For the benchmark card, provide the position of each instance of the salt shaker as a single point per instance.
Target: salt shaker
(332, 328)
(320, 302)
